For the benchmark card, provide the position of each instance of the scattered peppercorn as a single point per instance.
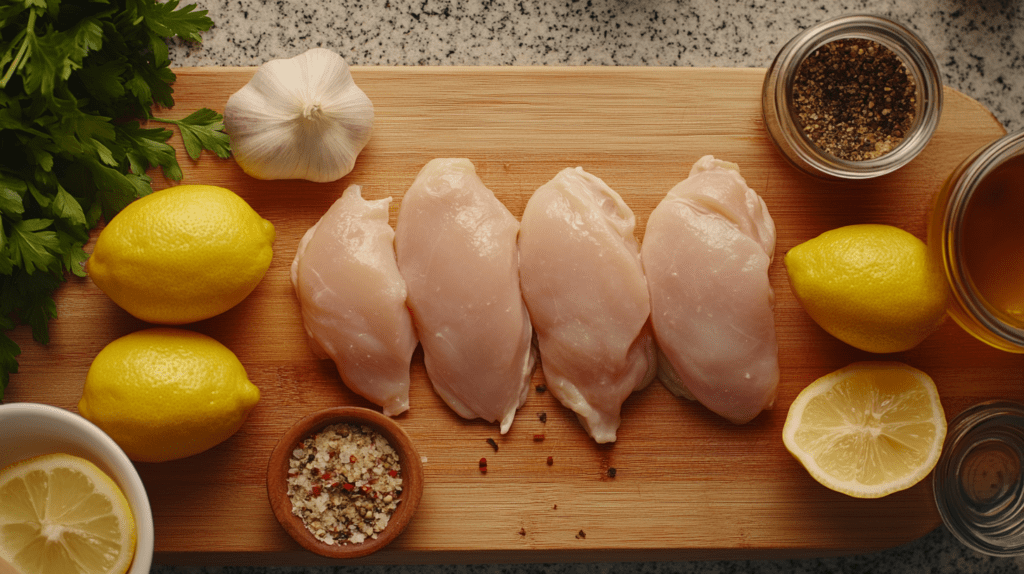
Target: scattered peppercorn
(854, 99)
(522, 532)
(581, 534)
(541, 388)
(543, 417)
(493, 444)
(612, 472)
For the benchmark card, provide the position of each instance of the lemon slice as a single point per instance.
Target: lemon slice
(868, 429)
(61, 513)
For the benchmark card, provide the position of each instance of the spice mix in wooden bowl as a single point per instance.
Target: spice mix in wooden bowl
(344, 482)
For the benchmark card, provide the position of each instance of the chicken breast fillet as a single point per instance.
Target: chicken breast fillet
(456, 246)
(706, 253)
(353, 299)
(585, 289)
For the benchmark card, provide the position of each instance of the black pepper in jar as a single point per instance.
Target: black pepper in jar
(854, 99)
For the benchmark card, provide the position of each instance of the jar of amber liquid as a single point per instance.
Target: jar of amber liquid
(852, 98)
(976, 232)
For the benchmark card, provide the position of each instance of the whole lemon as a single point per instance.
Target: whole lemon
(869, 285)
(182, 254)
(165, 393)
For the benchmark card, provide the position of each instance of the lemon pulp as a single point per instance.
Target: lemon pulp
(867, 430)
(61, 513)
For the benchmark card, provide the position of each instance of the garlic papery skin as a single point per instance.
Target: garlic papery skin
(299, 118)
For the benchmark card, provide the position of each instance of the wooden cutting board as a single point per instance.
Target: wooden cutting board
(688, 484)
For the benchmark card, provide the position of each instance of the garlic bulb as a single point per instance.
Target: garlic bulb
(299, 118)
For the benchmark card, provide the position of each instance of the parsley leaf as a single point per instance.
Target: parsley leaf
(68, 68)
(166, 20)
(32, 246)
(202, 129)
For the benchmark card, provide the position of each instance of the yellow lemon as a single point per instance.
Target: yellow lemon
(871, 286)
(182, 254)
(867, 430)
(60, 513)
(166, 393)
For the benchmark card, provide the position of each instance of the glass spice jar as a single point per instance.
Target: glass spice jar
(975, 234)
(878, 46)
(978, 482)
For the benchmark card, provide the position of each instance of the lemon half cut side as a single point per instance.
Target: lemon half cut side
(62, 514)
(869, 429)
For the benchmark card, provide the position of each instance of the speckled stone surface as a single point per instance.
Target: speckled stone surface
(979, 45)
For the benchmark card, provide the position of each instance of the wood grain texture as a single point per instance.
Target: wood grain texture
(689, 485)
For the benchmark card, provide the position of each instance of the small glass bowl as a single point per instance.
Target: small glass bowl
(979, 479)
(780, 116)
(946, 242)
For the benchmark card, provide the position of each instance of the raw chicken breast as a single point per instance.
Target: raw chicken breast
(353, 299)
(585, 289)
(706, 254)
(456, 246)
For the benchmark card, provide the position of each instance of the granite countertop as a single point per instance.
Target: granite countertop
(979, 47)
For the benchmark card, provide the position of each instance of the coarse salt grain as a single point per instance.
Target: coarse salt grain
(344, 483)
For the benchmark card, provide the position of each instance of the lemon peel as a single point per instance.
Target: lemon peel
(167, 393)
(182, 254)
(871, 286)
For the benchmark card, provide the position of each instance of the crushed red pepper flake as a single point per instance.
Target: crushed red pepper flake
(343, 502)
(538, 437)
(581, 534)
(551, 460)
(493, 444)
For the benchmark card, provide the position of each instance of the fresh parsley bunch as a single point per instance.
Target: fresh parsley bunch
(76, 76)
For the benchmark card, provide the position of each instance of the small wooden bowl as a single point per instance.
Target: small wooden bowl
(412, 479)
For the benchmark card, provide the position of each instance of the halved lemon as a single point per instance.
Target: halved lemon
(869, 429)
(62, 514)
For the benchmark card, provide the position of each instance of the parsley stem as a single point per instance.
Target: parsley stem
(16, 63)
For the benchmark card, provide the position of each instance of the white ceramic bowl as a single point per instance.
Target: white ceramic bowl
(32, 429)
